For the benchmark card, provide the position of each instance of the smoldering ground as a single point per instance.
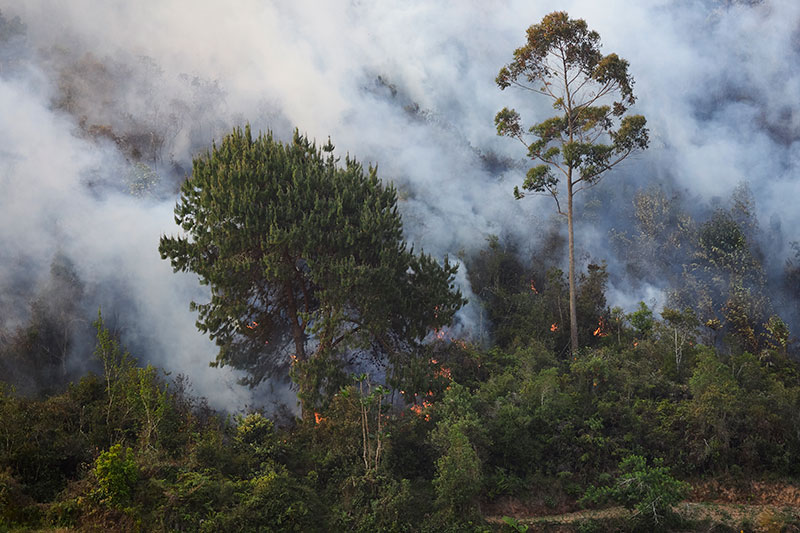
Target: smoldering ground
(105, 103)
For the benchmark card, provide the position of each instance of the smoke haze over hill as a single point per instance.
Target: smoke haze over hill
(104, 104)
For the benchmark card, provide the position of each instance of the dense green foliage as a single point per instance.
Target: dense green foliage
(305, 259)
(649, 489)
(131, 451)
(694, 392)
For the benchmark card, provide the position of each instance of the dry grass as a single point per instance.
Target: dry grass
(750, 507)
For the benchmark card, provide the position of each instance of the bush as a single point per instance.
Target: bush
(195, 498)
(649, 490)
(458, 474)
(255, 436)
(271, 501)
(116, 474)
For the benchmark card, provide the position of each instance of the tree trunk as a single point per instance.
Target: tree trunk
(573, 314)
(306, 411)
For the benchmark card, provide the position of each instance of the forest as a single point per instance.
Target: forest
(212, 319)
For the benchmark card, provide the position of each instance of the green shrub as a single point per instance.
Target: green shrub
(255, 436)
(649, 490)
(458, 474)
(64, 513)
(116, 473)
(512, 524)
(271, 501)
(194, 498)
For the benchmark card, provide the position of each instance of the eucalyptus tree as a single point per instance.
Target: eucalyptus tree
(305, 259)
(592, 132)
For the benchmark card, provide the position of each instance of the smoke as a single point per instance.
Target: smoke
(104, 104)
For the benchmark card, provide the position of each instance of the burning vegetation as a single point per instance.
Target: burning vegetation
(416, 413)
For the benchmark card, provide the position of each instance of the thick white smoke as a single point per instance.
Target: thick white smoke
(406, 85)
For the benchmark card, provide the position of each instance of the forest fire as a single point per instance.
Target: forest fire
(443, 372)
(442, 334)
(600, 331)
(419, 409)
(229, 211)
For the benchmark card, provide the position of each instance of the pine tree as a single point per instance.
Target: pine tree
(305, 259)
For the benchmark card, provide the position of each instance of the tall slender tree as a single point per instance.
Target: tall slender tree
(591, 134)
(305, 259)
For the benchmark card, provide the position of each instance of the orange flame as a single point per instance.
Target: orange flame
(318, 418)
(533, 288)
(554, 327)
(600, 327)
(441, 372)
(252, 325)
(461, 343)
(420, 409)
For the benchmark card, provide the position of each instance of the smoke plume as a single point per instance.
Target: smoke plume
(104, 104)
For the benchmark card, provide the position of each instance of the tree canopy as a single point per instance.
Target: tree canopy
(304, 257)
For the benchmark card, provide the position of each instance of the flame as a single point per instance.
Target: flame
(443, 334)
(441, 372)
(533, 288)
(600, 327)
(635, 344)
(318, 418)
(252, 325)
(420, 409)
(554, 327)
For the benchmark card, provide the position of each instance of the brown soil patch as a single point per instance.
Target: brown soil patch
(526, 508)
(753, 492)
(763, 506)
